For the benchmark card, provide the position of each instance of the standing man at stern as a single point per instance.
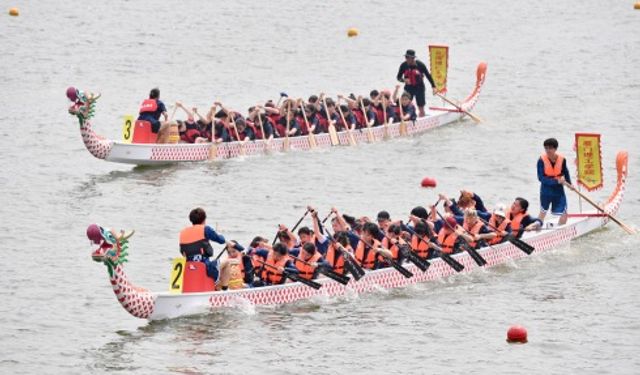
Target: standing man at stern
(553, 173)
(411, 72)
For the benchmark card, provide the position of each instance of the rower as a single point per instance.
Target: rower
(447, 236)
(392, 242)
(552, 174)
(194, 242)
(499, 223)
(236, 271)
(411, 72)
(369, 247)
(151, 110)
(474, 231)
(384, 220)
(408, 109)
(520, 220)
(277, 261)
(307, 260)
(335, 256)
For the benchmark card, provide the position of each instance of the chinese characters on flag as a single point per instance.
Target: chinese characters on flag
(439, 59)
(588, 160)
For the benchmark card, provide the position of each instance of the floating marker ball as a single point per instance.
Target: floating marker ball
(352, 32)
(636, 5)
(517, 334)
(428, 182)
(14, 12)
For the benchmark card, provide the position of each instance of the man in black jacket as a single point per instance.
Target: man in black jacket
(411, 72)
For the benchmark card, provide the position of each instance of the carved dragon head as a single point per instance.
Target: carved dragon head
(83, 104)
(113, 248)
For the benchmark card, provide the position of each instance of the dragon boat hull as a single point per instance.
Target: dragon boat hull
(158, 154)
(148, 305)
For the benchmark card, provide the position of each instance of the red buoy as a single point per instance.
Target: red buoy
(428, 182)
(517, 334)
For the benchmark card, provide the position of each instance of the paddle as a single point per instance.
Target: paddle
(294, 227)
(511, 238)
(213, 150)
(292, 276)
(333, 135)
(311, 136)
(352, 140)
(344, 280)
(474, 117)
(384, 115)
(412, 257)
(370, 136)
(405, 272)
(403, 125)
(327, 217)
(264, 136)
(472, 252)
(286, 144)
(624, 226)
(457, 266)
(349, 261)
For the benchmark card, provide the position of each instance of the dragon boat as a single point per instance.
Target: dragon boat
(142, 303)
(155, 154)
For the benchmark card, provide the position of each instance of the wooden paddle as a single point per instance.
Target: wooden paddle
(311, 136)
(403, 125)
(624, 226)
(292, 276)
(474, 117)
(344, 280)
(350, 137)
(370, 136)
(333, 135)
(213, 149)
(294, 227)
(385, 133)
(515, 241)
(480, 261)
(235, 128)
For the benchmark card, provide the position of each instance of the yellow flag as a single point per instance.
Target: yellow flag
(127, 129)
(439, 59)
(177, 275)
(589, 161)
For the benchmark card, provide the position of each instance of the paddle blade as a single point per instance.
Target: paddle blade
(457, 266)
(412, 257)
(474, 255)
(344, 280)
(294, 277)
(528, 249)
(405, 272)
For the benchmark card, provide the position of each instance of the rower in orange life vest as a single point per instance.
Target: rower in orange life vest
(447, 236)
(277, 261)
(474, 231)
(307, 260)
(499, 224)
(369, 247)
(151, 110)
(552, 173)
(236, 271)
(521, 221)
(411, 72)
(394, 242)
(194, 242)
(423, 239)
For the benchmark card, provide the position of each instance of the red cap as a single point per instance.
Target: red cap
(452, 222)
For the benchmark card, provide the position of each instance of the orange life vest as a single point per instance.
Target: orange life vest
(447, 241)
(515, 222)
(236, 272)
(420, 247)
(474, 230)
(306, 271)
(555, 170)
(499, 228)
(395, 252)
(194, 242)
(149, 105)
(335, 259)
(366, 256)
(272, 275)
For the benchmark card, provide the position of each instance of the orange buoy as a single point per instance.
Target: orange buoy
(517, 334)
(352, 32)
(636, 5)
(428, 182)
(14, 12)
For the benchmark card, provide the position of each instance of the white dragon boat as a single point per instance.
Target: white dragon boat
(146, 304)
(154, 153)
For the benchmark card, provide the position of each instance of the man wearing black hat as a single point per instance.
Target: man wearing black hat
(411, 72)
